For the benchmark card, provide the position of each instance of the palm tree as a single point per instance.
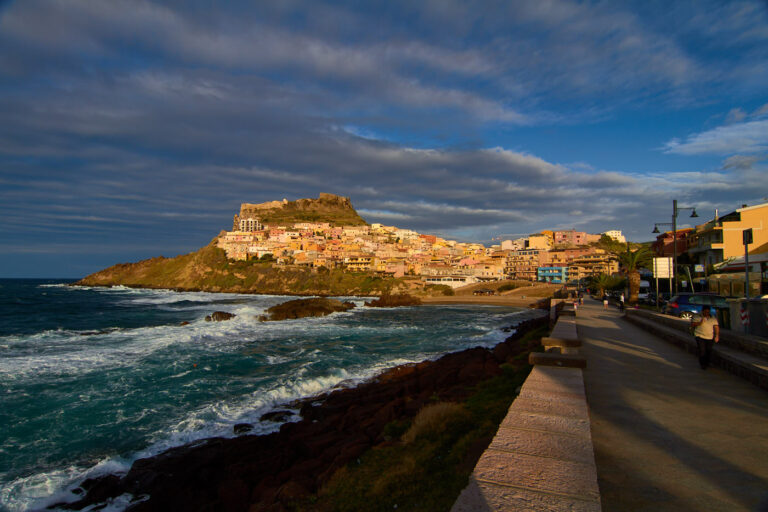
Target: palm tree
(631, 262)
(602, 282)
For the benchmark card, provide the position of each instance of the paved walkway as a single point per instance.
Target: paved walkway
(667, 435)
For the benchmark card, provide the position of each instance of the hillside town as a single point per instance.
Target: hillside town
(714, 247)
(550, 256)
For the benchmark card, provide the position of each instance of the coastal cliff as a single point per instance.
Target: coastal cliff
(208, 269)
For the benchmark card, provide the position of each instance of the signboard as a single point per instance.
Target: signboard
(698, 268)
(662, 267)
(747, 236)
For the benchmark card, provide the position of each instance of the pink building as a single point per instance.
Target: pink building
(570, 237)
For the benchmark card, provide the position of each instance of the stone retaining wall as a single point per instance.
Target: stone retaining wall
(542, 456)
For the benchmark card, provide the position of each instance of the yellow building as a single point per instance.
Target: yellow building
(539, 241)
(721, 239)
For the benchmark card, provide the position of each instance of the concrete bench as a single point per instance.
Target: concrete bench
(542, 456)
(745, 365)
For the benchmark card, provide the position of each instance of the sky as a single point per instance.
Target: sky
(131, 129)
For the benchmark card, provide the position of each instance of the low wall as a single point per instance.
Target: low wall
(542, 456)
(749, 344)
(742, 355)
(758, 316)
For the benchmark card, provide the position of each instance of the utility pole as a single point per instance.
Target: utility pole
(747, 239)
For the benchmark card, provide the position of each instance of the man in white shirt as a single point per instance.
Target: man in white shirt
(706, 330)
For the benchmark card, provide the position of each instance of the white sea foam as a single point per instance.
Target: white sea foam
(130, 346)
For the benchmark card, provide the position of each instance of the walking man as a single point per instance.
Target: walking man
(706, 330)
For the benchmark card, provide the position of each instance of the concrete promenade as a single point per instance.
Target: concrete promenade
(666, 434)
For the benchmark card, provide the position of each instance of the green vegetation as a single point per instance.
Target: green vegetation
(632, 262)
(603, 282)
(439, 289)
(506, 287)
(335, 210)
(209, 270)
(426, 469)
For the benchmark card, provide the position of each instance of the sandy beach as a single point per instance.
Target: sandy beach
(495, 300)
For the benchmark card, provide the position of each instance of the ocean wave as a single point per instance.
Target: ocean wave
(319, 354)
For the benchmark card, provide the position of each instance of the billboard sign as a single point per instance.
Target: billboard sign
(662, 267)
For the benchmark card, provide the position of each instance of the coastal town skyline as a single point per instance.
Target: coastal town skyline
(133, 129)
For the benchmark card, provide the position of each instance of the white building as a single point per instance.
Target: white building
(250, 224)
(616, 235)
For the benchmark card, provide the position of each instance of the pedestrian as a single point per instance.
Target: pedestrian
(621, 302)
(581, 299)
(605, 301)
(706, 330)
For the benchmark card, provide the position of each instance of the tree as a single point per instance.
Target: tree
(609, 245)
(603, 282)
(632, 262)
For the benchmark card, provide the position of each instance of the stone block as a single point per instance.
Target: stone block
(545, 422)
(541, 474)
(552, 359)
(554, 445)
(488, 497)
(571, 409)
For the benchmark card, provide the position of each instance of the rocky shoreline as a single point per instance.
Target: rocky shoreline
(271, 472)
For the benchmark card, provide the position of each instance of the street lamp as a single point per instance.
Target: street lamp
(675, 210)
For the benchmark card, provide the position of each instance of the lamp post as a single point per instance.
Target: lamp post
(675, 210)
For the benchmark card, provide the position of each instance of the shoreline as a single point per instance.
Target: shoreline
(492, 300)
(335, 428)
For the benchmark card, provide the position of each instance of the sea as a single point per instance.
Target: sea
(92, 379)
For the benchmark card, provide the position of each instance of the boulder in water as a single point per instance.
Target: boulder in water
(301, 308)
(242, 428)
(219, 316)
(276, 416)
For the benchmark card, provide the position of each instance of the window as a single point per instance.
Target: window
(719, 302)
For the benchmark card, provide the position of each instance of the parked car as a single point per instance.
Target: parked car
(651, 299)
(685, 305)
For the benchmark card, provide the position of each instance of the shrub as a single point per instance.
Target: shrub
(433, 419)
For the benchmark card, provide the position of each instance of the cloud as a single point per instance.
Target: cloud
(139, 120)
(747, 137)
(736, 115)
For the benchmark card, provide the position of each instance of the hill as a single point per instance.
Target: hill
(209, 270)
(330, 208)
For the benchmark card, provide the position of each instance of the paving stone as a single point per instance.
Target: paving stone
(567, 377)
(539, 474)
(544, 444)
(546, 422)
(548, 392)
(554, 386)
(559, 360)
(552, 407)
(488, 497)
